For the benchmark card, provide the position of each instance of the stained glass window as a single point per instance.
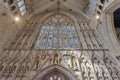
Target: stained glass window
(57, 32)
(56, 77)
(22, 7)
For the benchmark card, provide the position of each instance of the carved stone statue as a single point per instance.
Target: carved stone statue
(74, 63)
(55, 59)
(36, 62)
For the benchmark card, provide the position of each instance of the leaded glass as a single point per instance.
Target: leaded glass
(54, 76)
(22, 7)
(23, 12)
(20, 3)
(57, 32)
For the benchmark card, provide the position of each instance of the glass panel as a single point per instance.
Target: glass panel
(22, 8)
(20, 3)
(50, 38)
(23, 12)
(60, 38)
(55, 77)
(58, 32)
(70, 36)
(65, 38)
(55, 38)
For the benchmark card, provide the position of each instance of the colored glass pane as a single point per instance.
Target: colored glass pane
(57, 32)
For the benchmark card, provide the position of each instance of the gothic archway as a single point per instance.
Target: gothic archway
(58, 32)
(54, 72)
(108, 19)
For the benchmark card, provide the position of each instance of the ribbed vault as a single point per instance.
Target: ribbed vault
(41, 6)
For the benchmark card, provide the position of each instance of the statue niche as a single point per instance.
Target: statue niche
(74, 62)
(56, 59)
(36, 62)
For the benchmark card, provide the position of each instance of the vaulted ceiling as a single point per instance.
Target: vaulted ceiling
(39, 6)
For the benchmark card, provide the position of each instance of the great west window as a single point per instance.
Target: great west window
(57, 32)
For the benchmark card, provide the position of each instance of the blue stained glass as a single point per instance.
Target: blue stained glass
(49, 45)
(54, 36)
(42, 45)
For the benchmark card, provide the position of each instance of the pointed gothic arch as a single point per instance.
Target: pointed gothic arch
(58, 32)
(60, 71)
(108, 21)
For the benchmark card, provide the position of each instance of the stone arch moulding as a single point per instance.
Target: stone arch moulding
(109, 24)
(67, 14)
(52, 68)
